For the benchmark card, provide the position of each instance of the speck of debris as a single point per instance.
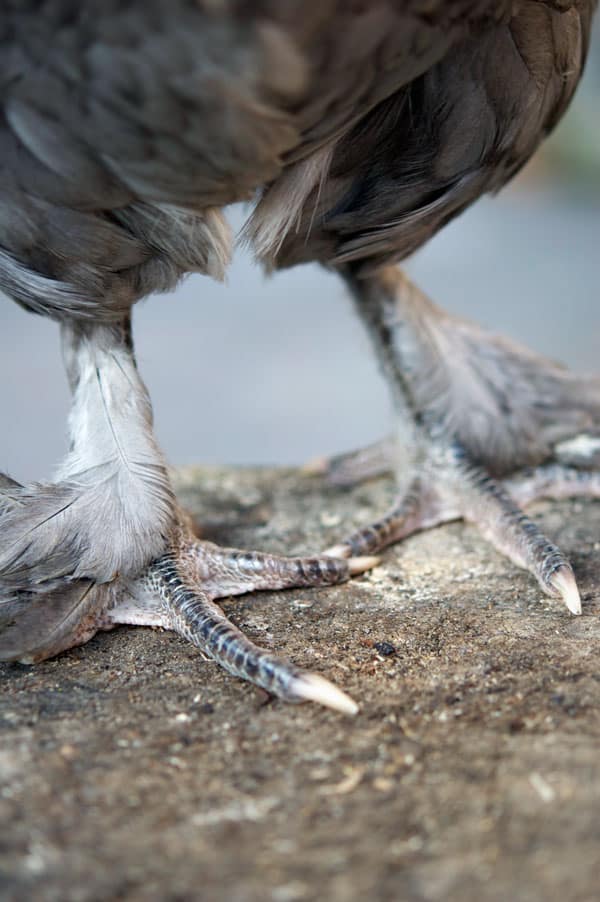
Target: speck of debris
(385, 648)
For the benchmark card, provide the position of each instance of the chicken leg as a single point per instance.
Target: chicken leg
(107, 543)
(473, 411)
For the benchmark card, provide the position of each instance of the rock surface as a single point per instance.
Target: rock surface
(133, 769)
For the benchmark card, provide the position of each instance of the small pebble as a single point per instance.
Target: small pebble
(385, 648)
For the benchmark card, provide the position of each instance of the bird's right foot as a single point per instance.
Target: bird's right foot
(178, 591)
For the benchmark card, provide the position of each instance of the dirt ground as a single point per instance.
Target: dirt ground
(133, 769)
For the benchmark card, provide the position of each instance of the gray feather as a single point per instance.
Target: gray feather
(34, 626)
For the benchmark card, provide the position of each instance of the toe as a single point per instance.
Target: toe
(565, 586)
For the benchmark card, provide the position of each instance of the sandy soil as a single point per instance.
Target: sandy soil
(133, 769)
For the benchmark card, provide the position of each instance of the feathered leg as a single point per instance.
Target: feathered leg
(111, 508)
(473, 410)
(107, 544)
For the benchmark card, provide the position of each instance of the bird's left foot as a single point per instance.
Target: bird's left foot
(484, 427)
(449, 488)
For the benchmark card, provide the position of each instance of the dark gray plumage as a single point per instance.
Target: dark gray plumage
(359, 129)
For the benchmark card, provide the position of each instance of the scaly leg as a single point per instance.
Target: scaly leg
(186, 583)
(178, 592)
(472, 410)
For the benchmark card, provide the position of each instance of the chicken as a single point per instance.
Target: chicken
(358, 129)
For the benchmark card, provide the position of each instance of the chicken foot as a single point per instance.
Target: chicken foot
(467, 403)
(178, 591)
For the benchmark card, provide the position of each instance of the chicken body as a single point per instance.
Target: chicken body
(359, 129)
(365, 125)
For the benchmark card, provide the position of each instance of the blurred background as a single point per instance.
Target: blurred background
(278, 370)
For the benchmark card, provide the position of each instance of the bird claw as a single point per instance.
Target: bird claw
(565, 586)
(179, 592)
(315, 688)
(457, 489)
